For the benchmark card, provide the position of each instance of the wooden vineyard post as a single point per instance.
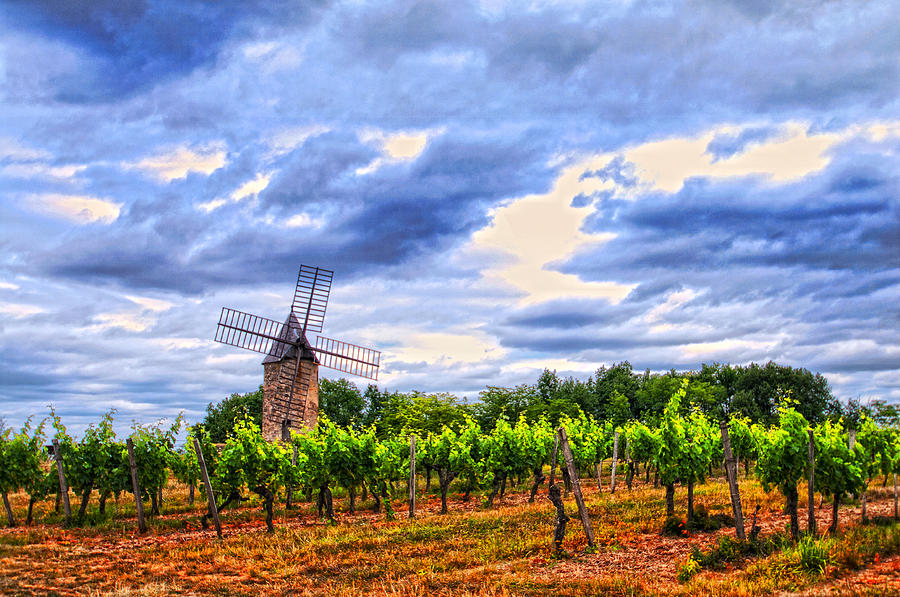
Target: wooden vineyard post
(210, 496)
(811, 525)
(598, 470)
(136, 486)
(576, 486)
(63, 486)
(612, 481)
(895, 496)
(412, 476)
(731, 474)
(553, 459)
(289, 499)
(628, 462)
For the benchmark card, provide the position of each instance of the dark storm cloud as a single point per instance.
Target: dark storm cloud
(395, 214)
(134, 44)
(509, 97)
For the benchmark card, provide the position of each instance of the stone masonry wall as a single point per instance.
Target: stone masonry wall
(303, 410)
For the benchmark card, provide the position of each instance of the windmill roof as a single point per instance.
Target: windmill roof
(290, 333)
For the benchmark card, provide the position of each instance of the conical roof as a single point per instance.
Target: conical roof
(290, 333)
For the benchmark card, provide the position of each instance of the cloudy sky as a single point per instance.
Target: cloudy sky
(499, 187)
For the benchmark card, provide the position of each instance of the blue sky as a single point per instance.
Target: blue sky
(498, 186)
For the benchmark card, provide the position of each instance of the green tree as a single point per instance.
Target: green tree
(495, 403)
(221, 418)
(341, 402)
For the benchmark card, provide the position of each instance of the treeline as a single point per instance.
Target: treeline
(616, 394)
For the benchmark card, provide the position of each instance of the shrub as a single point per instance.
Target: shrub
(814, 554)
(688, 569)
(675, 527)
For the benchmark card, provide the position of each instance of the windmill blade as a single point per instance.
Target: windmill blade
(311, 297)
(348, 358)
(253, 332)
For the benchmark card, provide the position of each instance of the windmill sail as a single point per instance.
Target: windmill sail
(311, 297)
(348, 358)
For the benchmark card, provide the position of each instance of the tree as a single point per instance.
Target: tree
(497, 403)
(374, 409)
(341, 402)
(619, 377)
(221, 418)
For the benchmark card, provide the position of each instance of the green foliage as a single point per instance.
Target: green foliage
(784, 457)
(221, 418)
(249, 461)
(341, 402)
(814, 554)
(838, 470)
(674, 464)
(497, 403)
(421, 414)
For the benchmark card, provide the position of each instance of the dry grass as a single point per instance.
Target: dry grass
(471, 551)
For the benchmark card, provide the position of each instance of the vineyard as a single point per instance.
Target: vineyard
(710, 507)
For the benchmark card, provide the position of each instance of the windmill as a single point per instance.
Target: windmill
(291, 366)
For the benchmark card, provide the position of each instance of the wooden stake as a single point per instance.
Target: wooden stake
(576, 486)
(811, 524)
(599, 477)
(553, 459)
(412, 476)
(731, 474)
(210, 496)
(630, 474)
(895, 496)
(136, 486)
(63, 486)
(615, 457)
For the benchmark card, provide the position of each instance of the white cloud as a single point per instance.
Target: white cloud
(77, 208)
(8, 286)
(792, 154)
(11, 149)
(302, 220)
(178, 162)
(285, 140)
(250, 188)
(673, 301)
(396, 147)
(38, 170)
(446, 348)
(129, 321)
(537, 230)
(18, 310)
(726, 347)
(150, 304)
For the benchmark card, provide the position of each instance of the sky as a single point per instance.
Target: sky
(499, 187)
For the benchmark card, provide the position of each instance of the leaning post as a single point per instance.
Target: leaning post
(576, 486)
(731, 474)
(136, 486)
(63, 486)
(210, 496)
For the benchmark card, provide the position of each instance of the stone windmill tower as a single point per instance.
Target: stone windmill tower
(291, 366)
